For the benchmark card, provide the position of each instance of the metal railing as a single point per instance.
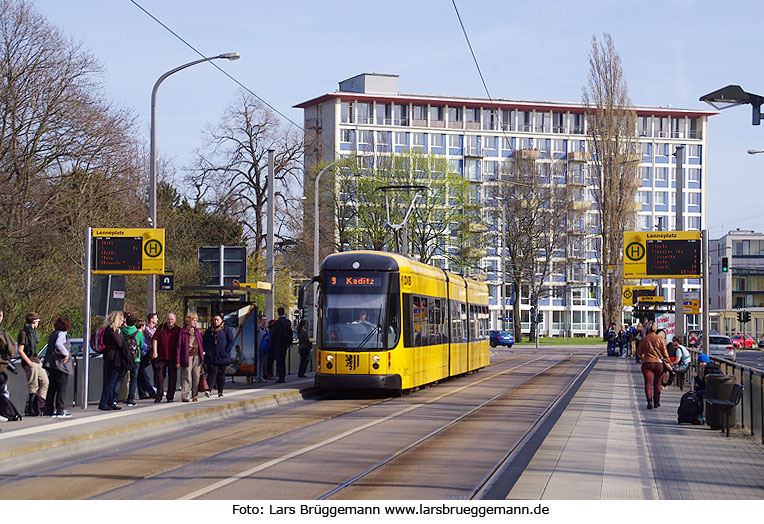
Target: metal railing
(750, 410)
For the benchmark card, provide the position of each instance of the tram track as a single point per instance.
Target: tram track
(398, 454)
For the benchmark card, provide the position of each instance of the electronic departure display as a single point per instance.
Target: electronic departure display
(117, 254)
(673, 257)
(355, 281)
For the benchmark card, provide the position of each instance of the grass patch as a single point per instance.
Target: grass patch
(563, 341)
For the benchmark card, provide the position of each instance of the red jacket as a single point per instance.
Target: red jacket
(167, 342)
(181, 353)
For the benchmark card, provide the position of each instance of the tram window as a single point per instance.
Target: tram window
(408, 319)
(463, 318)
(394, 320)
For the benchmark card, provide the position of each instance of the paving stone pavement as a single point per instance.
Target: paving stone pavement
(608, 446)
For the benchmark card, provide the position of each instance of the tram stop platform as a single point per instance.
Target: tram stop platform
(608, 446)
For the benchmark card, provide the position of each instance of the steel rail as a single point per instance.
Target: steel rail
(433, 433)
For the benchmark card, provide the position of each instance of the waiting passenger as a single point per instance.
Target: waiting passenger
(652, 351)
(706, 368)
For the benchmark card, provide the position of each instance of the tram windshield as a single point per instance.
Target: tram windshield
(355, 313)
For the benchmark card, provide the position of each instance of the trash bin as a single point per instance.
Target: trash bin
(719, 387)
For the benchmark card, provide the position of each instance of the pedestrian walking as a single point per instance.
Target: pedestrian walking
(217, 344)
(37, 377)
(281, 339)
(58, 362)
(190, 356)
(303, 347)
(133, 340)
(263, 348)
(114, 363)
(152, 321)
(165, 344)
(8, 352)
(652, 351)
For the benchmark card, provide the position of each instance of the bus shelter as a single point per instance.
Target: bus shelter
(240, 313)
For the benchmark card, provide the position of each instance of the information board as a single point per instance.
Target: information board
(661, 254)
(128, 251)
(673, 257)
(631, 294)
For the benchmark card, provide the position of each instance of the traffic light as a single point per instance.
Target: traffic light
(746, 317)
(739, 316)
(725, 265)
(532, 314)
(539, 318)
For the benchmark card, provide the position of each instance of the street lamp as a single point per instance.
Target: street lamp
(151, 303)
(733, 95)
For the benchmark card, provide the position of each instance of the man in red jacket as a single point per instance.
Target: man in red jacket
(165, 342)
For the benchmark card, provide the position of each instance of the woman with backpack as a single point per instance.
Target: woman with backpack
(58, 362)
(113, 360)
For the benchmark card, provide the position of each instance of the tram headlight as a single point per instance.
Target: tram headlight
(375, 358)
(329, 358)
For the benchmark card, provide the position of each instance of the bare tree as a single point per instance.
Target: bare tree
(68, 159)
(231, 171)
(535, 203)
(612, 125)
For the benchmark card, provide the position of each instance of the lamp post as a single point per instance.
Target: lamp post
(151, 302)
(315, 239)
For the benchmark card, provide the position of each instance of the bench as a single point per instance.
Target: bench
(726, 405)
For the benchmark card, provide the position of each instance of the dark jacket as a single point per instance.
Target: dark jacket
(218, 345)
(281, 335)
(182, 348)
(54, 358)
(167, 342)
(29, 338)
(114, 346)
(7, 349)
(304, 346)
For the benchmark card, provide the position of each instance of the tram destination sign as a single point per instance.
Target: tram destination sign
(661, 254)
(128, 251)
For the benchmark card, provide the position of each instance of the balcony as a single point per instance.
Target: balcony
(418, 123)
(473, 151)
(579, 156)
(528, 153)
(579, 205)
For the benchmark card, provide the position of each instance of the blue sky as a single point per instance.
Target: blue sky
(291, 51)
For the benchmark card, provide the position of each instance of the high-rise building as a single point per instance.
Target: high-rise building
(368, 116)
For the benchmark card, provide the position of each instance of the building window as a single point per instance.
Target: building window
(346, 113)
(661, 198)
(436, 113)
(506, 143)
(660, 174)
(693, 151)
(693, 175)
(472, 114)
(455, 141)
(400, 139)
(693, 133)
(454, 114)
(347, 136)
(365, 137)
(578, 124)
(558, 122)
(383, 138)
(693, 223)
(661, 149)
(365, 113)
(384, 114)
(471, 170)
(507, 120)
(491, 142)
(490, 119)
(661, 127)
(419, 112)
(524, 121)
(436, 140)
(558, 146)
(644, 174)
(643, 222)
(677, 127)
(417, 139)
(693, 199)
(401, 117)
(542, 122)
(643, 197)
(644, 125)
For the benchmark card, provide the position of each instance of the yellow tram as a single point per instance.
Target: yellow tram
(386, 321)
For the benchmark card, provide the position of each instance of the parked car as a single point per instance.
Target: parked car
(761, 342)
(76, 345)
(720, 347)
(501, 338)
(743, 341)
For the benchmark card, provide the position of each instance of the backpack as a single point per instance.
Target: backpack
(612, 336)
(97, 343)
(131, 347)
(8, 410)
(690, 409)
(35, 405)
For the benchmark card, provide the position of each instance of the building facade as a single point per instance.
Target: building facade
(741, 287)
(478, 136)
